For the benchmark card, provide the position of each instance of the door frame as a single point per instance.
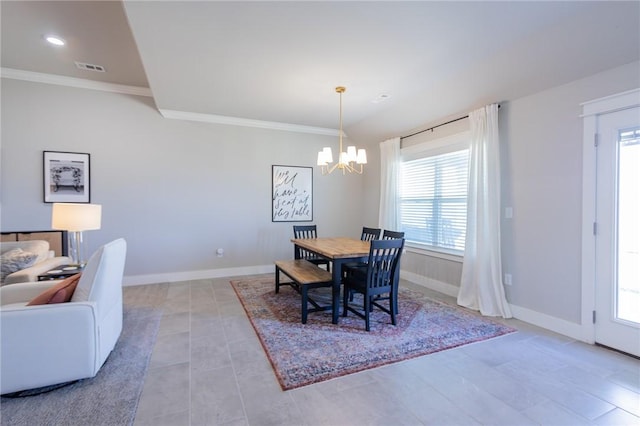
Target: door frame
(590, 112)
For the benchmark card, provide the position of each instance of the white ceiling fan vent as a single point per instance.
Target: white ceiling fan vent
(90, 67)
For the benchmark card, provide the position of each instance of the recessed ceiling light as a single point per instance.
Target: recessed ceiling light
(55, 40)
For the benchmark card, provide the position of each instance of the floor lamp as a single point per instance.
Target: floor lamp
(76, 218)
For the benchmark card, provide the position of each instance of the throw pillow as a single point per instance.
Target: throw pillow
(15, 260)
(59, 293)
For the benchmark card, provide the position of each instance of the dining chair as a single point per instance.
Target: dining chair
(369, 234)
(308, 231)
(388, 235)
(379, 279)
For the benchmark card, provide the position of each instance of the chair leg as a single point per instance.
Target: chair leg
(367, 309)
(345, 303)
(351, 292)
(395, 296)
(305, 300)
(393, 306)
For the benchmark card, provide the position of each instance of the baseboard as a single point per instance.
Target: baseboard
(557, 325)
(131, 280)
(430, 283)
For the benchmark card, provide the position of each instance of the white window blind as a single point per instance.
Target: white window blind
(433, 199)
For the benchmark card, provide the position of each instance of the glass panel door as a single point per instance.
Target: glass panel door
(618, 231)
(628, 247)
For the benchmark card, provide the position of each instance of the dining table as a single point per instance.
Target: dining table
(339, 250)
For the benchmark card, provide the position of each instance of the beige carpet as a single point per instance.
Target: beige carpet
(111, 397)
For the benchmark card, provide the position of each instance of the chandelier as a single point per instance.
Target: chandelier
(347, 160)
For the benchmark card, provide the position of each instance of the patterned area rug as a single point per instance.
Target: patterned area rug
(302, 354)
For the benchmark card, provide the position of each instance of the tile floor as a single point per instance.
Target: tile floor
(208, 368)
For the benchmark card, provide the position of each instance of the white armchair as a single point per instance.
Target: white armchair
(56, 343)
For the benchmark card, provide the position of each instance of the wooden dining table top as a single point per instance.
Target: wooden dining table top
(336, 247)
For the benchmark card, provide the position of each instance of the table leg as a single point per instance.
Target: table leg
(336, 275)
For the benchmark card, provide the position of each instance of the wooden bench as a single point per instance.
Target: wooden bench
(305, 276)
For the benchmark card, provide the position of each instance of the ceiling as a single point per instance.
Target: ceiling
(405, 65)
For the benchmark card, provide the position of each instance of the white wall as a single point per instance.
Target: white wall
(541, 139)
(176, 190)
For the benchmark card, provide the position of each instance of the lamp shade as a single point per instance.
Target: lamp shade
(321, 159)
(76, 217)
(361, 157)
(351, 153)
(328, 155)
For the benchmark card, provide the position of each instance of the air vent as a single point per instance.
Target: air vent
(90, 67)
(380, 98)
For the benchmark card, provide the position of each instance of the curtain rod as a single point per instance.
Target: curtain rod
(436, 126)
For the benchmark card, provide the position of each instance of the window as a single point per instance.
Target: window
(433, 194)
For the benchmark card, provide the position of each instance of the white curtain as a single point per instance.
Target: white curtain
(389, 176)
(481, 285)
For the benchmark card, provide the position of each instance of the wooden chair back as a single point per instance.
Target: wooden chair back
(369, 234)
(307, 231)
(384, 257)
(392, 235)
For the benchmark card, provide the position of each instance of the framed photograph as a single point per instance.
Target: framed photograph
(291, 194)
(66, 177)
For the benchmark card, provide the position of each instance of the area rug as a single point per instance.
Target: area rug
(302, 354)
(111, 397)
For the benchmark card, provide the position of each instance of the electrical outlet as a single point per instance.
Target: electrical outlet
(508, 212)
(507, 279)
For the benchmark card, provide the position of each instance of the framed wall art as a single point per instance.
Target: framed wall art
(66, 177)
(291, 194)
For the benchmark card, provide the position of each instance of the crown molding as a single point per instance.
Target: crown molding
(81, 83)
(246, 122)
(611, 103)
(37, 77)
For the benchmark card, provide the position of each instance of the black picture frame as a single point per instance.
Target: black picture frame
(291, 193)
(66, 177)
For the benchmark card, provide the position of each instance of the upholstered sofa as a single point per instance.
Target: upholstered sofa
(52, 333)
(23, 261)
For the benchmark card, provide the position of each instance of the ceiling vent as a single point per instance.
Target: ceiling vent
(90, 67)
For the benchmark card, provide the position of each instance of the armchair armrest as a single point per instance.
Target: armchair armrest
(47, 344)
(31, 273)
(23, 292)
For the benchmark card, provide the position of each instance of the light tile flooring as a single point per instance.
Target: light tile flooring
(208, 368)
